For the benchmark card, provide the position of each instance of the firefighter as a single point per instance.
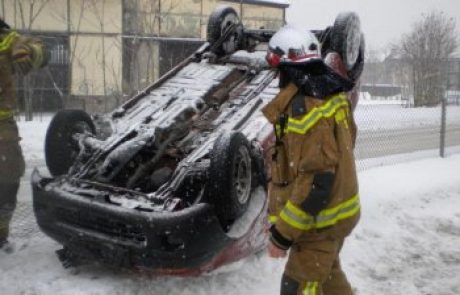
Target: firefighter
(313, 193)
(18, 55)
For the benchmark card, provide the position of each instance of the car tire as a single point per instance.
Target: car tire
(220, 19)
(61, 150)
(357, 70)
(231, 177)
(346, 38)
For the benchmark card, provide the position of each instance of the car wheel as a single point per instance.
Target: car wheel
(357, 70)
(61, 147)
(346, 37)
(231, 176)
(220, 20)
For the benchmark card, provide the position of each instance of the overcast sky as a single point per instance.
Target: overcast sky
(383, 21)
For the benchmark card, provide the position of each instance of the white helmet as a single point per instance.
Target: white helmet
(289, 45)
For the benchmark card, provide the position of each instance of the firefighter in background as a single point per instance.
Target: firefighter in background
(18, 55)
(313, 193)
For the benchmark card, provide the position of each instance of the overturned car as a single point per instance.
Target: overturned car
(174, 180)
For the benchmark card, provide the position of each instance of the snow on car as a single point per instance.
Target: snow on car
(166, 182)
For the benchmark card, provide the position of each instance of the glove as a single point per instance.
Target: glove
(22, 61)
(29, 56)
(39, 55)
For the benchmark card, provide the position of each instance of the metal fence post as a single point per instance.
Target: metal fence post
(443, 128)
(28, 104)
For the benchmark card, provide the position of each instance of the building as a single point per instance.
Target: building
(453, 83)
(103, 51)
(453, 80)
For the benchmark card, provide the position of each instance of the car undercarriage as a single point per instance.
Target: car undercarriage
(162, 182)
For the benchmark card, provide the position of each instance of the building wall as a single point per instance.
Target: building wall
(112, 44)
(94, 27)
(37, 15)
(141, 17)
(255, 16)
(96, 48)
(179, 19)
(96, 67)
(172, 18)
(95, 16)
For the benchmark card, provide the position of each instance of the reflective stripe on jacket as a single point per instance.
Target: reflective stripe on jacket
(299, 219)
(8, 41)
(6, 114)
(328, 110)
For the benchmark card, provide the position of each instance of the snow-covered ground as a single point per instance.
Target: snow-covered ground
(33, 134)
(406, 243)
(388, 115)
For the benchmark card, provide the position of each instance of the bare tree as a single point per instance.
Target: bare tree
(34, 9)
(425, 50)
(374, 71)
(142, 25)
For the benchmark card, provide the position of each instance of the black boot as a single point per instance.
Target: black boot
(8, 192)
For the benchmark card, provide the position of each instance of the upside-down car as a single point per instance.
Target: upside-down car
(174, 179)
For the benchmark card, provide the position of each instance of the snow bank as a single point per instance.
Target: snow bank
(407, 241)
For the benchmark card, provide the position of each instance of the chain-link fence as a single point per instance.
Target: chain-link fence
(391, 132)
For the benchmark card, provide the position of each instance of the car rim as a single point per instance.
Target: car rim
(353, 42)
(242, 175)
(230, 44)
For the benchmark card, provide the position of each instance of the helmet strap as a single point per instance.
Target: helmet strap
(284, 78)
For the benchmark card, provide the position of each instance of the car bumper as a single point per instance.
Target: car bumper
(186, 241)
